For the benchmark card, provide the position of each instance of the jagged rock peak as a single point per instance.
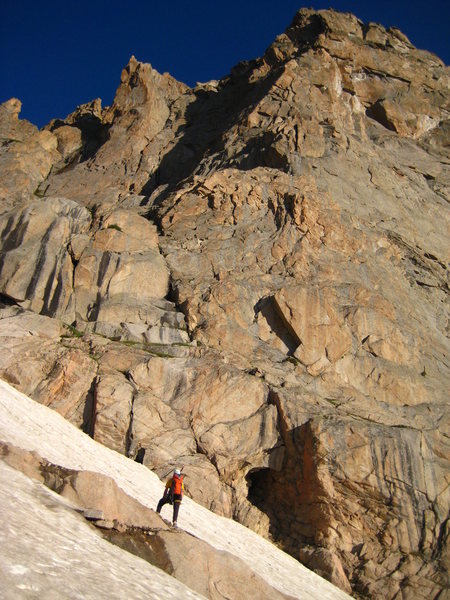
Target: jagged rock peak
(11, 127)
(12, 106)
(137, 82)
(315, 29)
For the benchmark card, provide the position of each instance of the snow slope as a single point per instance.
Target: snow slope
(32, 426)
(49, 551)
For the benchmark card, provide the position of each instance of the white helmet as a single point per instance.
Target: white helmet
(177, 472)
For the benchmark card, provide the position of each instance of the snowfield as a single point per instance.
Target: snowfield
(49, 551)
(74, 562)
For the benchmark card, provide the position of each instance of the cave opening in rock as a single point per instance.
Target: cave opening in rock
(289, 496)
(259, 483)
(265, 492)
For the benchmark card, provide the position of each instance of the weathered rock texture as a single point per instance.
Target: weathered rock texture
(250, 278)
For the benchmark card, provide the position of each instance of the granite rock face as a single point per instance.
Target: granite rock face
(249, 278)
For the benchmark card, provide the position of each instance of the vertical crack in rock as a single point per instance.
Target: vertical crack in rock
(92, 415)
(137, 451)
(89, 411)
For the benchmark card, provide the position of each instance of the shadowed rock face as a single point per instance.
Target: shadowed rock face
(250, 278)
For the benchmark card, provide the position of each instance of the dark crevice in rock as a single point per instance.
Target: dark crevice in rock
(181, 307)
(264, 150)
(6, 300)
(52, 294)
(129, 434)
(40, 265)
(12, 237)
(302, 505)
(443, 539)
(173, 294)
(276, 493)
(89, 410)
(93, 308)
(267, 308)
(140, 456)
(378, 113)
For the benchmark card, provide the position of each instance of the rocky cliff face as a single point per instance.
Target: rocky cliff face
(250, 278)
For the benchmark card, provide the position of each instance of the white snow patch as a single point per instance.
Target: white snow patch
(88, 568)
(32, 426)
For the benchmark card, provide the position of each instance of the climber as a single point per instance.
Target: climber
(173, 494)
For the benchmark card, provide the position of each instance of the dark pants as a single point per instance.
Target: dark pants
(168, 500)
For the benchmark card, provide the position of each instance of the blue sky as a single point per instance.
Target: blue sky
(57, 55)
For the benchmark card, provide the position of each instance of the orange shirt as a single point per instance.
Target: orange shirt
(169, 484)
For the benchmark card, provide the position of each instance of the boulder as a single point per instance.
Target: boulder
(69, 140)
(124, 231)
(116, 277)
(311, 315)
